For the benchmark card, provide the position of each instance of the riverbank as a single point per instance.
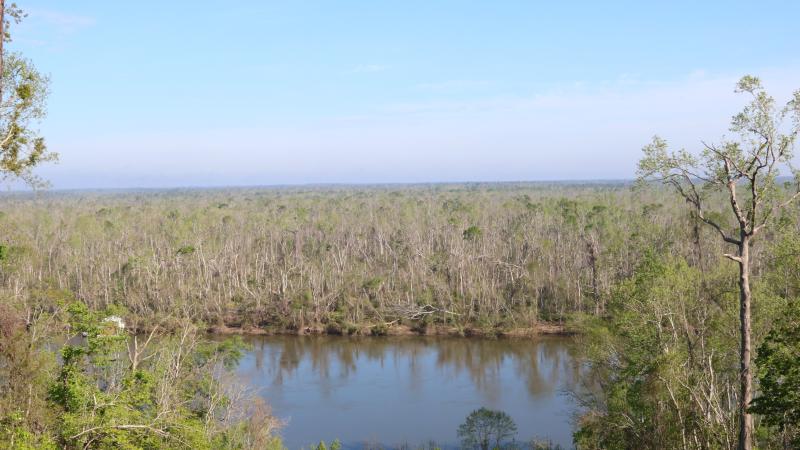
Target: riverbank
(538, 329)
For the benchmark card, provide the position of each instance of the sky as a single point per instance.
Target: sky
(200, 93)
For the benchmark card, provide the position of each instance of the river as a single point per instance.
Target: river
(396, 390)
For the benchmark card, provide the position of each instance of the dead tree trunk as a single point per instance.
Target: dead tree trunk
(591, 246)
(745, 374)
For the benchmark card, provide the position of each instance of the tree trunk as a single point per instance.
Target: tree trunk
(698, 248)
(2, 39)
(745, 375)
(593, 264)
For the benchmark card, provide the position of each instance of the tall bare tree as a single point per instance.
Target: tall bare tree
(746, 171)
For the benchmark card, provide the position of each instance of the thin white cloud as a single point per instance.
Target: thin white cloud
(627, 96)
(64, 22)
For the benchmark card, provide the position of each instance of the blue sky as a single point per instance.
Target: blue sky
(194, 93)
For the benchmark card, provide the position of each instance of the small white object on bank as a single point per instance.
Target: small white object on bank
(116, 320)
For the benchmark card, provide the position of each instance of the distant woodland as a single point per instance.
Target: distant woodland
(482, 257)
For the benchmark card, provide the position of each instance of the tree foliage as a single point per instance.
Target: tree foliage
(661, 369)
(23, 93)
(485, 428)
(745, 171)
(110, 392)
(778, 364)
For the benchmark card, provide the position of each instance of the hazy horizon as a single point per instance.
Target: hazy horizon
(281, 93)
(25, 190)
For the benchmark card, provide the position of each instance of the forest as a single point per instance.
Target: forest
(487, 259)
(626, 267)
(122, 312)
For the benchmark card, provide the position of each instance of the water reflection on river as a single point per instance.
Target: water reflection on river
(410, 389)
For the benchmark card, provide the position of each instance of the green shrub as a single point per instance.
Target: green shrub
(186, 250)
(472, 233)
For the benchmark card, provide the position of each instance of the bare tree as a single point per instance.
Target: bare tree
(746, 172)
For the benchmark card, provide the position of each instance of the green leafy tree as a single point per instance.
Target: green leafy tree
(485, 428)
(778, 365)
(24, 375)
(170, 397)
(745, 171)
(657, 352)
(23, 92)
